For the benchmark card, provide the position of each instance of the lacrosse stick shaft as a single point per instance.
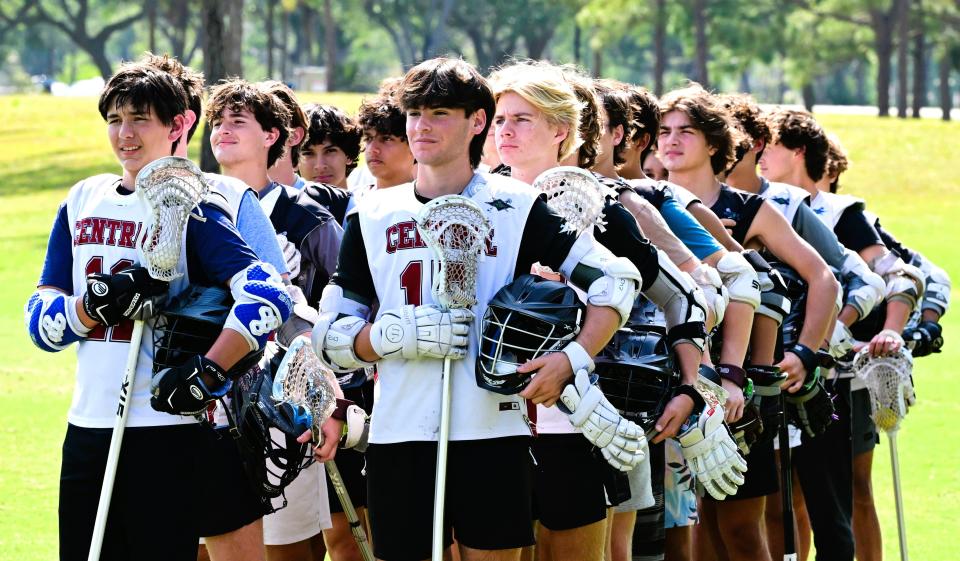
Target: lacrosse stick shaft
(113, 456)
(898, 496)
(355, 527)
(786, 486)
(439, 495)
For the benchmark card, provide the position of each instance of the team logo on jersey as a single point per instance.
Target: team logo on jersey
(820, 210)
(106, 231)
(781, 200)
(500, 204)
(405, 235)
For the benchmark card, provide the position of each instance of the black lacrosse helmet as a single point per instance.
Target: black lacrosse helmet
(529, 317)
(190, 324)
(797, 294)
(266, 432)
(636, 373)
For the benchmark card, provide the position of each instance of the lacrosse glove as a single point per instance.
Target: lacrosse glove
(622, 442)
(924, 339)
(130, 294)
(710, 451)
(413, 332)
(290, 255)
(841, 340)
(811, 408)
(766, 392)
(181, 391)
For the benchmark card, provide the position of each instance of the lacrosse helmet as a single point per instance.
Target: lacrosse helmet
(266, 432)
(190, 324)
(529, 317)
(637, 374)
(797, 294)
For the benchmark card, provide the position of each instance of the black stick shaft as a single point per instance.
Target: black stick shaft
(786, 486)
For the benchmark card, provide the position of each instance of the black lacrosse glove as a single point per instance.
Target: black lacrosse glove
(747, 430)
(130, 294)
(766, 394)
(811, 408)
(924, 339)
(181, 390)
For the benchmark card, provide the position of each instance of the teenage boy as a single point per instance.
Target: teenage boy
(93, 242)
(385, 146)
(448, 106)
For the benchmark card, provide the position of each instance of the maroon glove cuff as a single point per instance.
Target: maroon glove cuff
(733, 373)
(340, 413)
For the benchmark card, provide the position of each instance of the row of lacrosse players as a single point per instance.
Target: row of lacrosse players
(643, 296)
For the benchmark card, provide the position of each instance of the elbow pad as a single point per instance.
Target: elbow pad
(339, 322)
(864, 288)
(936, 297)
(683, 303)
(903, 282)
(740, 278)
(717, 296)
(775, 302)
(609, 281)
(52, 321)
(261, 304)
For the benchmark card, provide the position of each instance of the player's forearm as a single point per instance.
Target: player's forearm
(820, 311)
(84, 317)
(599, 325)
(689, 356)
(363, 348)
(737, 325)
(898, 313)
(848, 315)
(228, 349)
(930, 315)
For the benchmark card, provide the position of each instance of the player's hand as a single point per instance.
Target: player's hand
(792, 366)
(729, 224)
(677, 411)
(413, 332)
(885, 343)
(924, 339)
(551, 373)
(735, 402)
(130, 294)
(326, 449)
(187, 389)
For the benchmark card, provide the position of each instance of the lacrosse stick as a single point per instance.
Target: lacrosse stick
(455, 228)
(303, 381)
(891, 391)
(576, 195)
(786, 484)
(170, 188)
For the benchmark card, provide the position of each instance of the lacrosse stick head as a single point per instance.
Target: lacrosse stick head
(171, 188)
(456, 229)
(888, 380)
(576, 195)
(306, 384)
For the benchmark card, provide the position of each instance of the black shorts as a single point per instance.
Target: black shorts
(865, 435)
(567, 482)
(649, 535)
(761, 478)
(487, 504)
(351, 464)
(152, 515)
(229, 500)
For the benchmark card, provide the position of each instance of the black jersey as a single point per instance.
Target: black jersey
(740, 206)
(334, 199)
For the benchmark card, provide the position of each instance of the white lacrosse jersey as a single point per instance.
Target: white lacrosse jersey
(402, 267)
(785, 198)
(97, 230)
(829, 207)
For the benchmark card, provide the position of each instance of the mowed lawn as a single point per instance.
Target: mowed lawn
(907, 170)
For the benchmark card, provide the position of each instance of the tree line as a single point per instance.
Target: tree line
(899, 55)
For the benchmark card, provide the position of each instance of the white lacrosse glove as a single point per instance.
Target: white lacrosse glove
(356, 429)
(841, 340)
(290, 254)
(413, 332)
(711, 452)
(622, 443)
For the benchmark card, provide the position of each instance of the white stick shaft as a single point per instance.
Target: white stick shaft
(898, 495)
(439, 495)
(113, 456)
(355, 527)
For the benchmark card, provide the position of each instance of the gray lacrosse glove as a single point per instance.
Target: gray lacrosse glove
(622, 442)
(710, 451)
(413, 332)
(841, 340)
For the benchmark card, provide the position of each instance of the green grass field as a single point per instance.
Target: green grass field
(907, 170)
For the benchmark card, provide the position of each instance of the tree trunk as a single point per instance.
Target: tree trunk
(919, 61)
(235, 38)
(306, 55)
(597, 63)
(946, 102)
(702, 48)
(883, 47)
(330, 45)
(284, 44)
(577, 40)
(809, 97)
(659, 46)
(214, 66)
(271, 41)
(903, 52)
(152, 25)
(860, 79)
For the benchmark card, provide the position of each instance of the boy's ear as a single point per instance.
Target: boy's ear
(271, 137)
(296, 136)
(178, 128)
(479, 120)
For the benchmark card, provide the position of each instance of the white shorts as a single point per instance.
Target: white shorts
(307, 512)
(641, 489)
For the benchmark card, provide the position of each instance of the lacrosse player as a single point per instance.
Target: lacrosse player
(385, 146)
(697, 142)
(653, 167)
(448, 104)
(798, 156)
(93, 243)
(330, 153)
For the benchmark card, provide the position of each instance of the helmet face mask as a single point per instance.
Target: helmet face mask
(527, 318)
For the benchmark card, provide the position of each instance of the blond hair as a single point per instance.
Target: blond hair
(544, 87)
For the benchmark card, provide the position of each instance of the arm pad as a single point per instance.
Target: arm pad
(740, 278)
(261, 304)
(904, 282)
(682, 302)
(936, 297)
(775, 303)
(340, 320)
(52, 321)
(864, 288)
(717, 295)
(609, 281)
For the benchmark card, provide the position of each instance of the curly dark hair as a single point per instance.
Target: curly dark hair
(267, 109)
(646, 116)
(298, 119)
(799, 130)
(708, 116)
(382, 114)
(617, 103)
(329, 123)
(191, 80)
